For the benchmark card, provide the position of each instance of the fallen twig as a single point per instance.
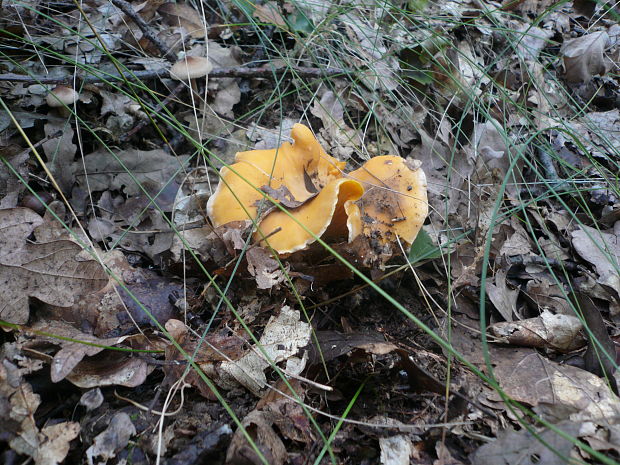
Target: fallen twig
(525, 260)
(126, 8)
(240, 72)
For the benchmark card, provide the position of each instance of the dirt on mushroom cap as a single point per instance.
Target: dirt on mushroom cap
(302, 167)
(394, 202)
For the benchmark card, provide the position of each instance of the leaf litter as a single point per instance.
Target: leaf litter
(514, 122)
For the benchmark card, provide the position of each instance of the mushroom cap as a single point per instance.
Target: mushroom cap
(60, 96)
(303, 168)
(394, 202)
(190, 68)
(319, 215)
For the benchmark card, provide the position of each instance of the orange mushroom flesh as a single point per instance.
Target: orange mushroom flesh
(394, 202)
(322, 216)
(303, 168)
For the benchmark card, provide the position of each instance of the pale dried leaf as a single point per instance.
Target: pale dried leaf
(48, 446)
(265, 269)
(264, 436)
(512, 447)
(269, 12)
(557, 332)
(92, 399)
(49, 271)
(60, 151)
(149, 168)
(583, 56)
(282, 339)
(395, 450)
(504, 299)
(183, 15)
(55, 441)
(111, 441)
(601, 249)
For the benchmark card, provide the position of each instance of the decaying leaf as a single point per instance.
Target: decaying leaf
(226, 91)
(92, 399)
(282, 340)
(341, 140)
(261, 428)
(18, 404)
(112, 308)
(556, 332)
(265, 269)
(269, 12)
(111, 441)
(71, 353)
(60, 152)
(601, 249)
(276, 417)
(183, 15)
(213, 350)
(504, 298)
(525, 448)
(583, 56)
(50, 271)
(153, 169)
(110, 369)
(561, 390)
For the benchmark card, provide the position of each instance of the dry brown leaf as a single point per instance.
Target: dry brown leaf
(275, 415)
(60, 152)
(282, 340)
(504, 299)
(601, 249)
(48, 446)
(71, 353)
(269, 12)
(152, 169)
(341, 140)
(525, 448)
(261, 424)
(264, 268)
(532, 40)
(564, 390)
(111, 441)
(214, 349)
(112, 309)
(562, 333)
(110, 369)
(583, 56)
(183, 15)
(226, 90)
(51, 271)
(545, 293)
(332, 344)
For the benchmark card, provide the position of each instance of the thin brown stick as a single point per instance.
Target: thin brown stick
(126, 8)
(236, 72)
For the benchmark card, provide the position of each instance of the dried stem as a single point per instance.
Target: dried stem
(234, 72)
(126, 8)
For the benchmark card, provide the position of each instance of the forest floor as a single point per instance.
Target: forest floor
(164, 300)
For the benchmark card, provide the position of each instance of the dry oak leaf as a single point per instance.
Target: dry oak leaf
(49, 271)
(584, 56)
(47, 446)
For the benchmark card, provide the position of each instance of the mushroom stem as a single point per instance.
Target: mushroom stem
(194, 90)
